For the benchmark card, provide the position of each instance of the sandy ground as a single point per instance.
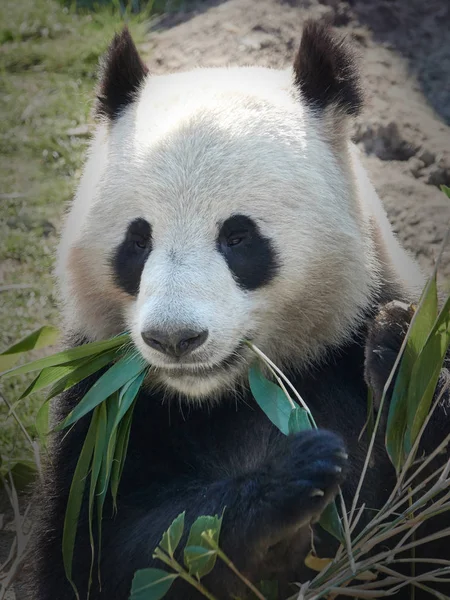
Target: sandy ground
(405, 56)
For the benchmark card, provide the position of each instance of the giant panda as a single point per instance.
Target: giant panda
(218, 206)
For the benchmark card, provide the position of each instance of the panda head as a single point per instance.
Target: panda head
(219, 206)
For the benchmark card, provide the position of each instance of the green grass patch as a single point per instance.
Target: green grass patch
(49, 56)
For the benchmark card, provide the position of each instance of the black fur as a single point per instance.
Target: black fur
(122, 74)
(229, 456)
(249, 255)
(129, 258)
(325, 71)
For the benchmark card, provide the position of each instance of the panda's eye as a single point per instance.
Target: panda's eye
(139, 235)
(236, 239)
(141, 244)
(250, 256)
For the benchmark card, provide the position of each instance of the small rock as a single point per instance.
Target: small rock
(439, 176)
(231, 27)
(256, 41)
(385, 141)
(415, 166)
(427, 157)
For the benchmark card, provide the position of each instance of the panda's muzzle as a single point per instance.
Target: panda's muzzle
(204, 370)
(174, 343)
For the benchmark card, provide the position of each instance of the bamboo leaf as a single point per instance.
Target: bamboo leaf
(114, 451)
(398, 410)
(74, 502)
(69, 355)
(129, 393)
(271, 399)
(23, 473)
(40, 338)
(442, 324)
(331, 522)
(111, 407)
(123, 436)
(269, 589)
(315, 563)
(203, 566)
(99, 451)
(151, 584)
(41, 422)
(198, 560)
(424, 379)
(86, 368)
(50, 375)
(298, 420)
(171, 538)
(118, 375)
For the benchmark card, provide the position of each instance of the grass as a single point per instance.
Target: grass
(49, 58)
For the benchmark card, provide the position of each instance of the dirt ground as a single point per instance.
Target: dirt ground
(405, 52)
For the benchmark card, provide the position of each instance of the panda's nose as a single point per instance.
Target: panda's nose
(174, 343)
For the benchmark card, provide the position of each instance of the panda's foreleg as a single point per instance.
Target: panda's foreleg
(288, 491)
(296, 478)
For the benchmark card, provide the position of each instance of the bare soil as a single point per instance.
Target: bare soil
(404, 47)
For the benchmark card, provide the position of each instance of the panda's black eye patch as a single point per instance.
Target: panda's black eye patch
(250, 256)
(130, 256)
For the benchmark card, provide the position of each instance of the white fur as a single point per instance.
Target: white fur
(194, 149)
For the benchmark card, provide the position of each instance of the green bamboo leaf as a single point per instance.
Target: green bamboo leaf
(42, 422)
(99, 451)
(51, 374)
(424, 379)
(40, 338)
(123, 436)
(211, 524)
(442, 324)
(74, 502)
(69, 355)
(171, 538)
(398, 409)
(127, 395)
(111, 406)
(269, 589)
(87, 367)
(331, 522)
(298, 420)
(23, 473)
(270, 398)
(151, 584)
(114, 453)
(198, 560)
(446, 190)
(118, 375)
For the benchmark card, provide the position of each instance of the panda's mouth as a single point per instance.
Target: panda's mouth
(201, 370)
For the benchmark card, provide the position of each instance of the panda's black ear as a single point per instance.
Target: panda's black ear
(325, 71)
(121, 75)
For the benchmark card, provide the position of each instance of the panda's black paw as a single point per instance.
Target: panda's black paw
(301, 481)
(385, 337)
